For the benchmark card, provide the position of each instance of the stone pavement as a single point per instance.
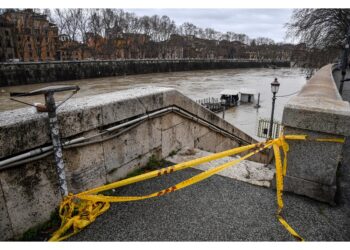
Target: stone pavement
(218, 209)
(248, 171)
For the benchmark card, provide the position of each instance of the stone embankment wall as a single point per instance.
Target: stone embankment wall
(27, 73)
(29, 192)
(319, 112)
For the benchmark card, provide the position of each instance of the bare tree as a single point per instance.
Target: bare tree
(60, 20)
(319, 28)
(83, 23)
(264, 41)
(95, 27)
(72, 22)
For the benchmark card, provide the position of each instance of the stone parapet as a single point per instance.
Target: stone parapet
(29, 192)
(318, 111)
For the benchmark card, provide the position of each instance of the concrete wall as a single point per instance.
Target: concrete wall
(28, 73)
(29, 193)
(319, 112)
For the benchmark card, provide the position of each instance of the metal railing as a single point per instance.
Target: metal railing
(263, 128)
(213, 104)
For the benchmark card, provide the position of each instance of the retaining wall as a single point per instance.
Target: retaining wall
(28, 73)
(29, 192)
(319, 112)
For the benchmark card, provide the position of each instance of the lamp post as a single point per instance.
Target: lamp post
(274, 89)
(344, 60)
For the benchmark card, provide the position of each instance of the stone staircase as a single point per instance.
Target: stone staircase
(247, 171)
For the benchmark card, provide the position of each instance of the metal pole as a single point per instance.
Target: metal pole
(56, 142)
(344, 63)
(273, 110)
(223, 113)
(258, 104)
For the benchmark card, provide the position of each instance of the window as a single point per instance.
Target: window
(30, 54)
(6, 32)
(28, 38)
(48, 54)
(8, 42)
(29, 46)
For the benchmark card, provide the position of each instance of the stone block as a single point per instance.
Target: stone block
(132, 145)
(317, 120)
(22, 129)
(79, 120)
(152, 101)
(177, 137)
(122, 171)
(5, 223)
(31, 193)
(210, 116)
(171, 120)
(199, 130)
(173, 97)
(208, 142)
(318, 106)
(225, 144)
(310, 189)
(121, 110)
(85, 167)
(313, 161)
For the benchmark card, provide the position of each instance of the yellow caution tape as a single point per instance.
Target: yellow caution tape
(171, 169)
(80, 210)
(279, 186)
(338, 140)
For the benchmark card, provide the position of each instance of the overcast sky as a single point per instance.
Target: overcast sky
(252, 22)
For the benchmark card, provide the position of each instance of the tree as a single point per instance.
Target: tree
(319, 28)
(82, 23)
(264, 41)
(60, 20)
(95, 27)
(188, 29)
(323, 32)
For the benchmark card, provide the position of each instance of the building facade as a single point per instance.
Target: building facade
(7, 47)
(34, 38)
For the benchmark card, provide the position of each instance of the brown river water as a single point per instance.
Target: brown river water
(194, 84)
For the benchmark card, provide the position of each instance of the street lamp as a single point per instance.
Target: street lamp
(344, 60)
(274, 89)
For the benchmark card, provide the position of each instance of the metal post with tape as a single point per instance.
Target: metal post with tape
(50, 107)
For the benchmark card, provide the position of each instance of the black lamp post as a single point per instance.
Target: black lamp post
(274, 89)
(344, 60)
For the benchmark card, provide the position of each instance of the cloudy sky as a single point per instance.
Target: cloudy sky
(252, 22)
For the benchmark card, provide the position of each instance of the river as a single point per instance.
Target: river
(194, 84)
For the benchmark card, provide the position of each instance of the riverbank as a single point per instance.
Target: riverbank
(12, 74)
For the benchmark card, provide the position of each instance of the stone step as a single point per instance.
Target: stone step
(247, 171)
